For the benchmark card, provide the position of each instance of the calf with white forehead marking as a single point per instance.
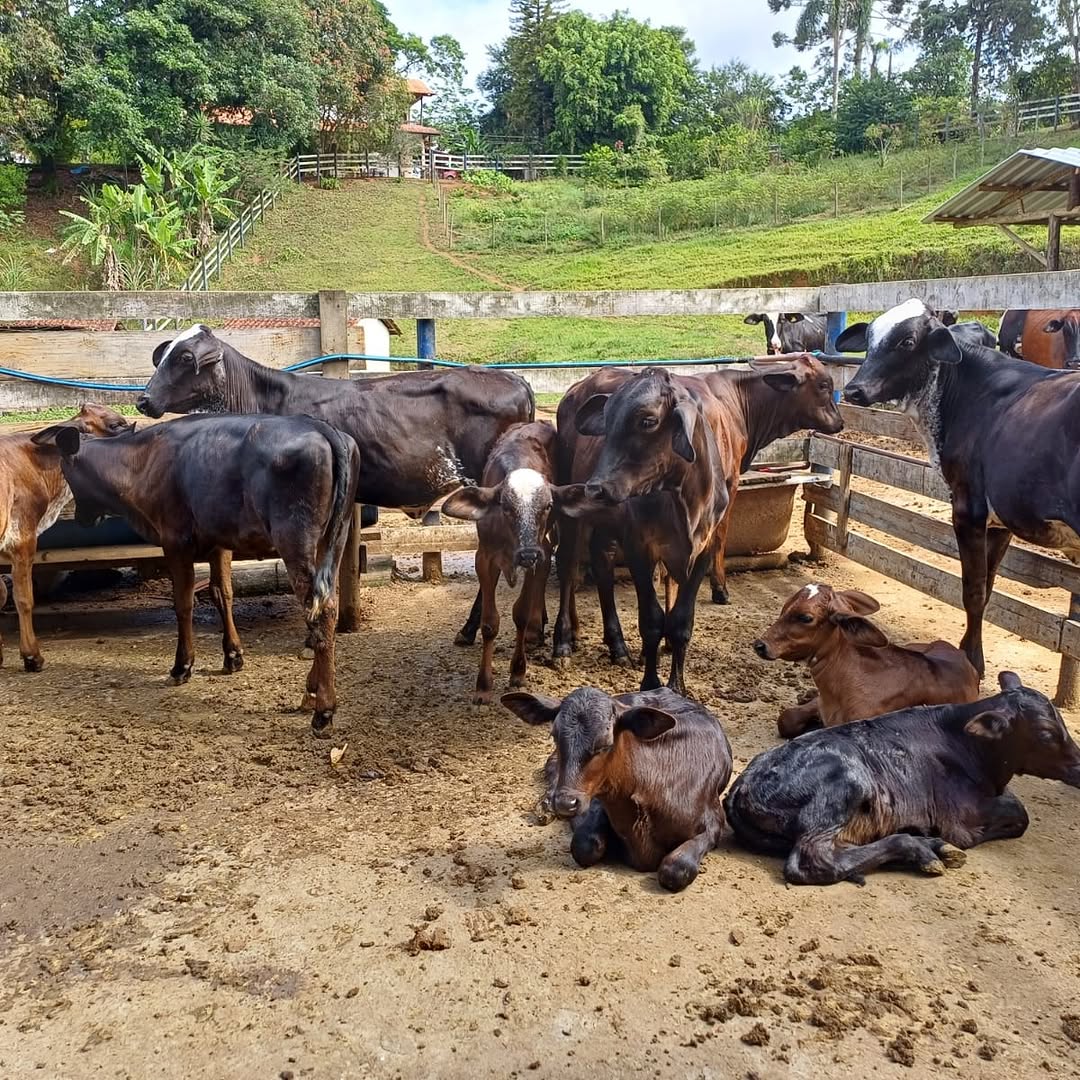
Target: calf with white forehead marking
(513, 511)
(639, 776)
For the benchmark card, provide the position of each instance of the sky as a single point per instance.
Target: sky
(723, 29)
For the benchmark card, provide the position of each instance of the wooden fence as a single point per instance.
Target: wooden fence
(1062, 110)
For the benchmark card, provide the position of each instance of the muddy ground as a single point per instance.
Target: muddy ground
(189, 887)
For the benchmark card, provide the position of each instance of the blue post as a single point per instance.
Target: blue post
(835, 321)
(425, 342)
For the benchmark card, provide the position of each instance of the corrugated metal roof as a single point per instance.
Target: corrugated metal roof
(1010, 193)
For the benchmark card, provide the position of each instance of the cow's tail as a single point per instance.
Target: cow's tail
(340, 517)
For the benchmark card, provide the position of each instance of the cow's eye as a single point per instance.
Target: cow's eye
(648, 422)
(1048, 737)
(803, 617)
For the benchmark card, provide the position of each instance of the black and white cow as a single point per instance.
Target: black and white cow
(790, 331)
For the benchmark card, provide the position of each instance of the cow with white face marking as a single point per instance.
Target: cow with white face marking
(1005, 434)
(512, 509)
(790, 331)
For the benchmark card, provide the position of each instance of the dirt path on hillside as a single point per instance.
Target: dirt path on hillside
(456, 260)
(191, 888)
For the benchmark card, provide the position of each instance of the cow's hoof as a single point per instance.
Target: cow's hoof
(465, 640)
(322, 724)
(951, 856)
(482, 697)
(933, 868)
(234, 661)
(675, 874)
(516, 682)
(560, 663)
(33, 663)
(307, 702)
(179, 676)
(720, 596)
(622, 660)
(306, 653)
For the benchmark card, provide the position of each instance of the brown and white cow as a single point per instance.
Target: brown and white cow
(1047, 337)
(857, 671)
(514, 513)
(640, 776)
(33, 493)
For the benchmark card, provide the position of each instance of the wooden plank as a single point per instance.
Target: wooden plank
(896, 470)
(164, 303)
(118, 355)
(1026, 620)
(886, 422)
(1020, 564)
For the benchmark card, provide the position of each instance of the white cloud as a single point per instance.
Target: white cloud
(723, 30)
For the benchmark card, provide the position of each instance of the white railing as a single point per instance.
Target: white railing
(1064, 109)
(529, 166)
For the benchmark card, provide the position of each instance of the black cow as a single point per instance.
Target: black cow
(911, 788)
(1005, 434)
(790, 331)
(203, 487)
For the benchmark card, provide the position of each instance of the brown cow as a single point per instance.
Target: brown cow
(33, 493)
(857, 672)
(1047, 337)
(512, 510)
(639, 775)
(908, 788)
(768, 402)
(205, 486)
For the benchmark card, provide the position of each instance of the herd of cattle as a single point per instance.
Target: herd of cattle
(895, 761)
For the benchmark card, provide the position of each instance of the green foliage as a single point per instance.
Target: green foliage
(601, 166)
(810, 139)
(868, 103)
(490, 180)
(12, 187)
(329, 183)
(14, 275)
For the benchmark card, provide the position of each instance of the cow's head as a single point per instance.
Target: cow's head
(1026, 734)
(587, 726)
(904, 347)
(188, 375)
(809, 393)
(525, 501)
(1068, 326)
(812, 619)
(650, 424)
(94, 421)
(774, 321)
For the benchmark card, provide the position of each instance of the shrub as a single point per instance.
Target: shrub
(329, 183)
(12, 187)
(601, 166)
(645, 165)
(489, 180)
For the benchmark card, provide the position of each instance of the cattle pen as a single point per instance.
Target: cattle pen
(57, 358)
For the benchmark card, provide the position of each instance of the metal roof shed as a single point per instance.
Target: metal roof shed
(1032, 187)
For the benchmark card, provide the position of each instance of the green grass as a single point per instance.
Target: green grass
(26, 265)
(55, 412)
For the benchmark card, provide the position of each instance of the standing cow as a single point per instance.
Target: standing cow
(203, 487)
(1049, 337)
(790, 331)
(33, 494)
(1005, 434)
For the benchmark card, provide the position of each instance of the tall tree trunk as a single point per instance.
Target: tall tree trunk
(1068, 10)
(976, 63)
(836, 66)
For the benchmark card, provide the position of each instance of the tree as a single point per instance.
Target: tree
(871, 103)
(456, 111)
(736, 94)
(530, 105)
(819, 21)
(1068, 13)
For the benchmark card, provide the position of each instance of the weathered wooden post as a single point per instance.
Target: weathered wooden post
(430, 561)
(1068, 687)
(333, 339)
(1053, 242)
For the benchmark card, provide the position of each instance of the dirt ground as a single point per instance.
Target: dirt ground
(189, 887)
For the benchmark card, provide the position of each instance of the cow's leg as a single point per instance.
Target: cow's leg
(528, 613)
(321, 678)
(679, 625)
(800, 718)
(650, 614)
(567, 555)
(488, 573)
(823, 858)
(22, 582)
(997, 543)
(182, 572)
(970, 531)
(679, 867)
(221, 593)
(718, 572)
(467, 634)
(592, 835)
(604, 574)
(3, 601)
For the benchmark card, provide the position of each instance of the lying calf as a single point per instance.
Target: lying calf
(856, 671)
(513, 513)
(205, 486)
(639, 775)
(32, 496)
(908, 788)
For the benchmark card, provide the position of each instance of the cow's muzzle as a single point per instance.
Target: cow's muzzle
(144, 405)
(528, 557)
(856, 395)
(762, 649)
(603, 491)
(568, 803)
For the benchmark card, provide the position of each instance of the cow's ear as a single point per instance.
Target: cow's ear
(1053, 326)
(472, 503)
(853, 339)
(65, 437)
(943, 347)
(571, 500)
(1009, 680)
(993, 724)
(644, 722)
(159, 352)
(783, 381)
(861, 631)
(590, 417)
(532, 708)
(852, 602)
(752, 320)
(207, 353)
(684, 417)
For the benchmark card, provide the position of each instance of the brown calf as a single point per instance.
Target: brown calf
(513, 513)
(1049, 338)
(857, 672)
(639, 775)
(33, 493)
